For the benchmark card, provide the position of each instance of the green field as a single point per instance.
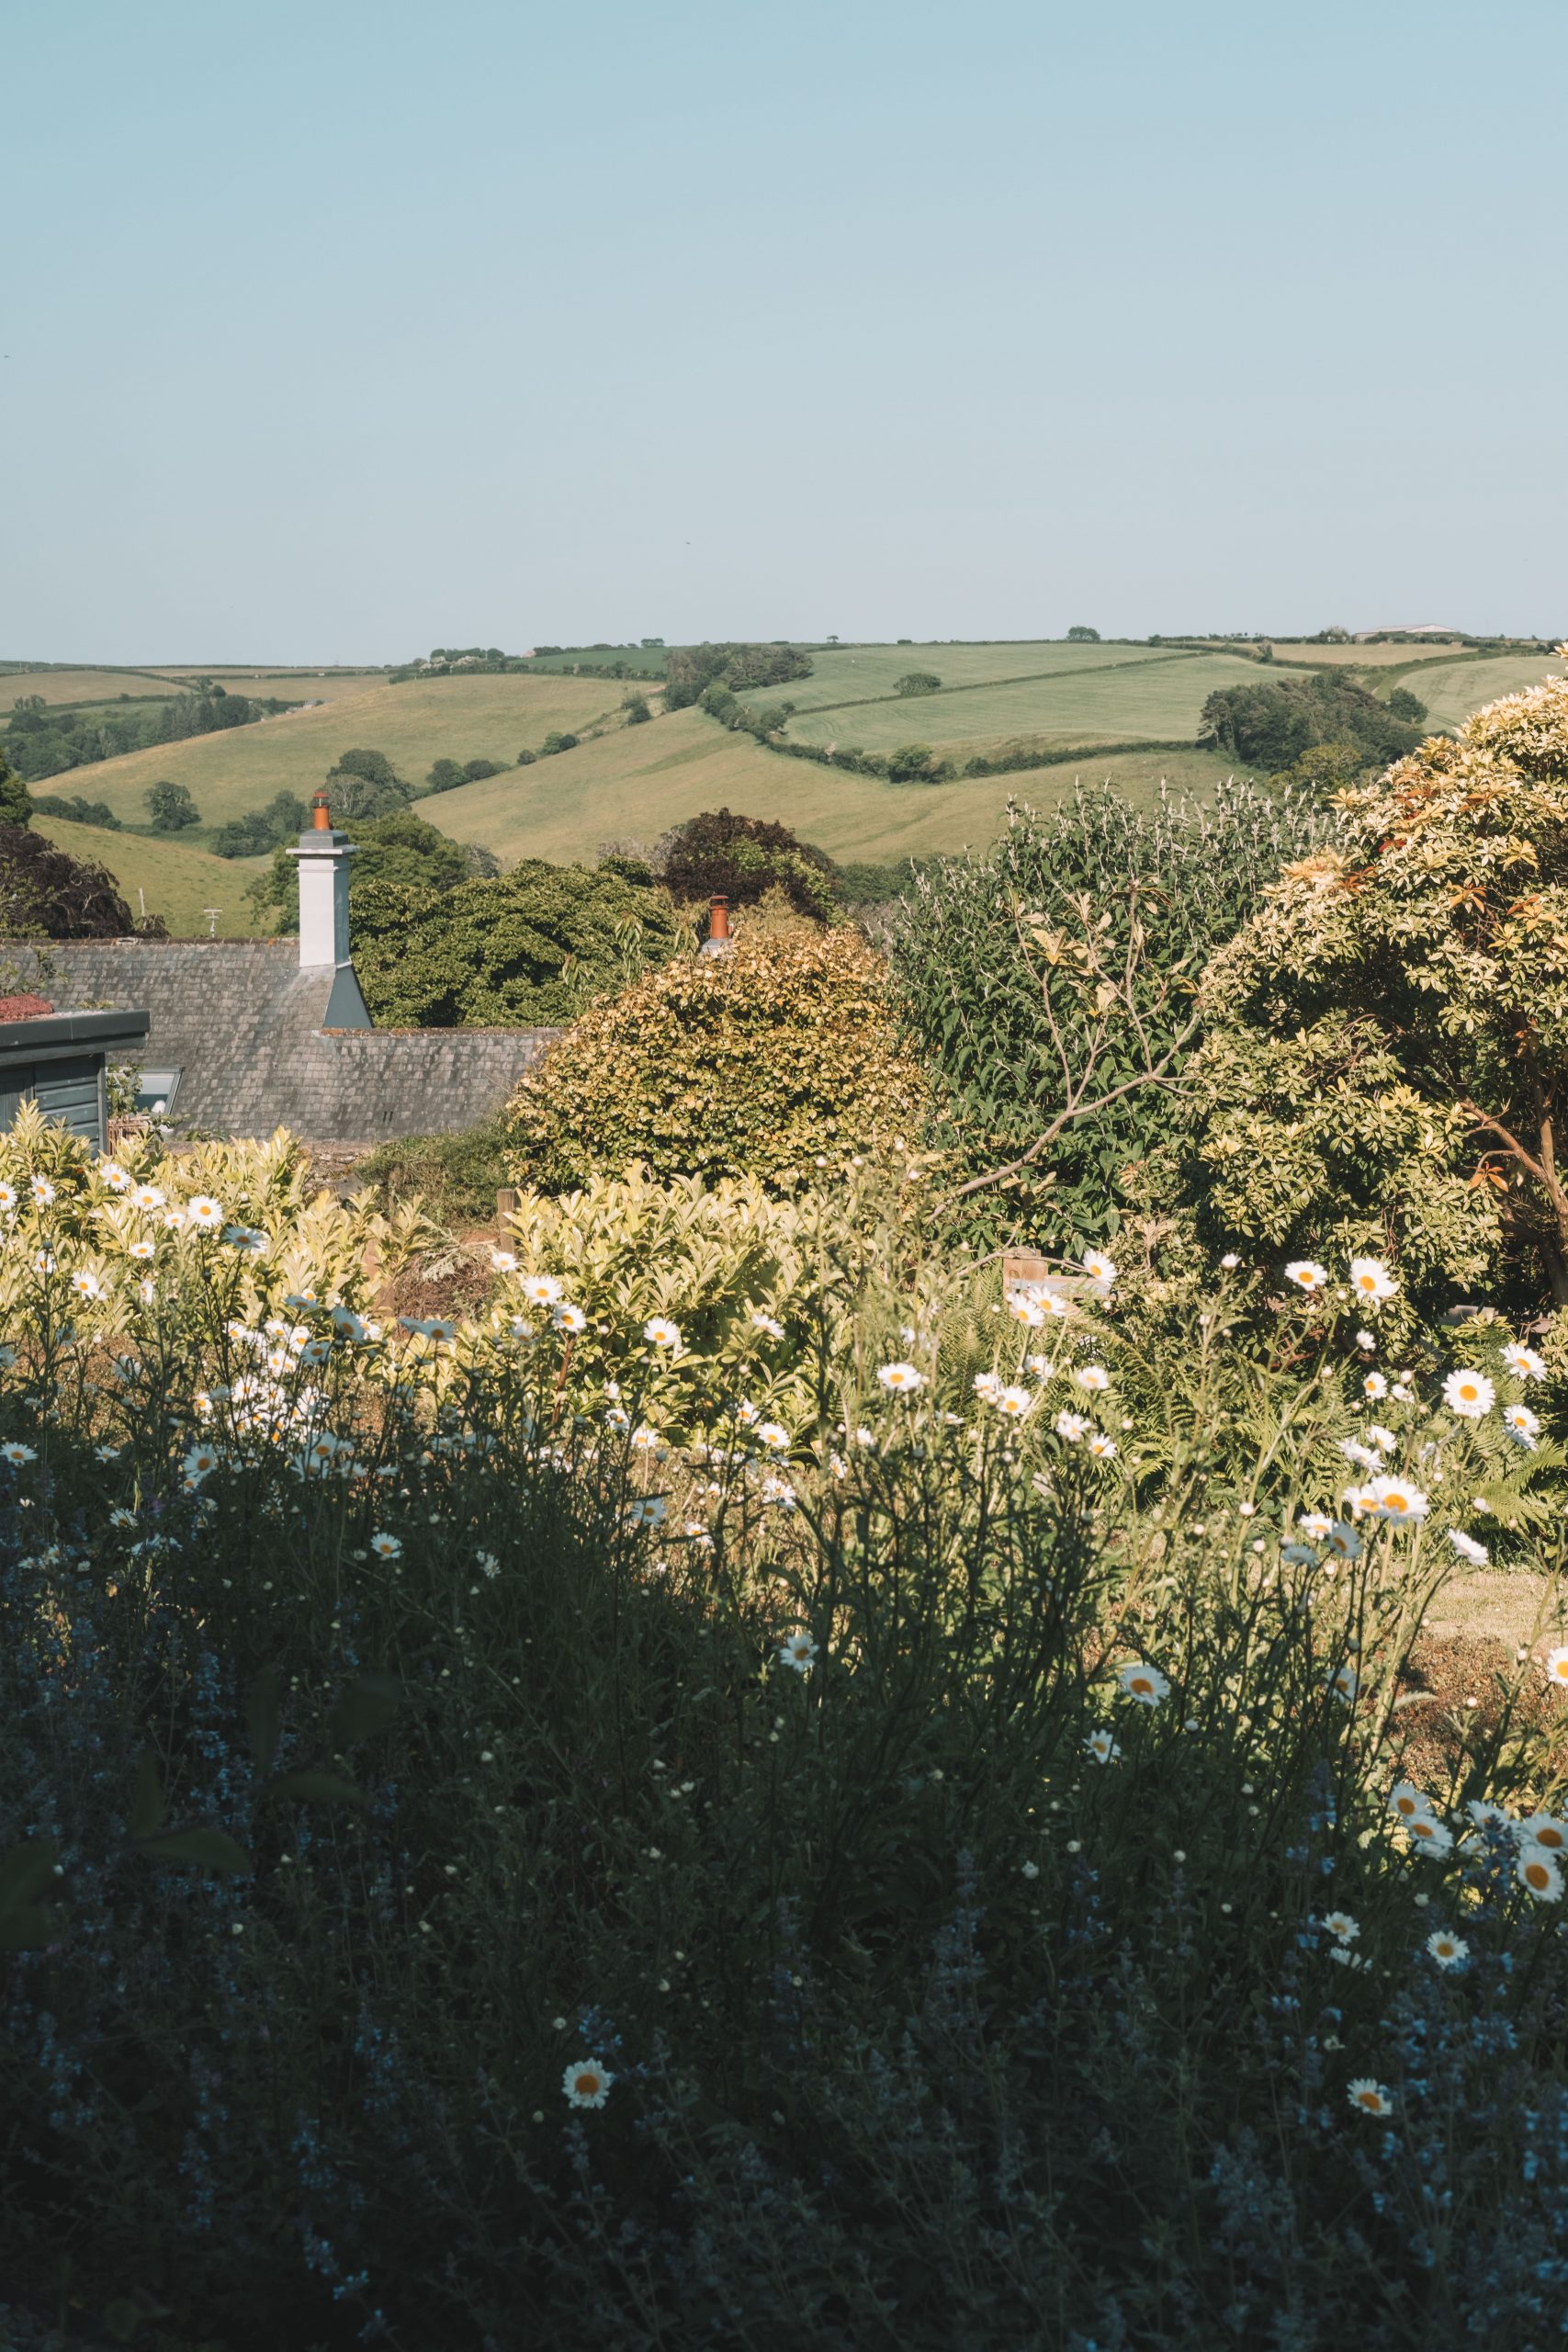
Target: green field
(1453, 690)
(1157, 694)
(462, 718)
(633, 783)
(85, 685)
(165, 878)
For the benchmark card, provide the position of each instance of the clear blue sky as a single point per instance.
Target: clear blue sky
(336, 331)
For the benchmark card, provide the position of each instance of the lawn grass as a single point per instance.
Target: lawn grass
(240, 769)
(165, 877)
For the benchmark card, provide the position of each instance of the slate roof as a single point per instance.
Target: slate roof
(242, 1023)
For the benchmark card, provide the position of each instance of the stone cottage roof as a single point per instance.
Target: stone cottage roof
(242, 1023)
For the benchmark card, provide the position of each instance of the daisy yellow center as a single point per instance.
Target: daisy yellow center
(1536, 1874)
(1369, 2099)
(1549, 1838)
(586, 2085)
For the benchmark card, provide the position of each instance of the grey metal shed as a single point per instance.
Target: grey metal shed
(57, 1059)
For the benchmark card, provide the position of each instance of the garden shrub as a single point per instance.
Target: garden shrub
(741, 858)
(1001, 1016)
(674, 1814)
(529, 946)
(764, 1063)
(1387, 1056)
(44, 892)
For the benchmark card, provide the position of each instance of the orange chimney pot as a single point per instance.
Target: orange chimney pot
(320, 815)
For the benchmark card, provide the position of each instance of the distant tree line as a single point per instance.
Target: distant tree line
(740, 668)
(43, 740)
(1270, 727)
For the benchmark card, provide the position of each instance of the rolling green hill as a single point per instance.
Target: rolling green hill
(634, 783)
(462, 718)
(165, 878)
(1049, 699)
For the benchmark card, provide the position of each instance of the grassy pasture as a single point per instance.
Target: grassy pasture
(1452, 693)
(604, 657)
(1363, 656)
(848, 674)
(1089, 703)
(106, 686)
(174, 880)
(635, 782)
(462, 718)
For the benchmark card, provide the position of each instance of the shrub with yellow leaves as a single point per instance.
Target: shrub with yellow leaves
(1386, 1061)
(777, 1061)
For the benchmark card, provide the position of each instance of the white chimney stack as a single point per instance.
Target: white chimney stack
(323, 857)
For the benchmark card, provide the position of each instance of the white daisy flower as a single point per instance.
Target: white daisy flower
(41, 1190)
(487, 1565)
(1361, 1456)
(659, 1332)
(1058, 1303)
(1306, 1274)
(616, 1418)
(17, 1454)
(1521, 1425)
(647, 1511)
(146, 1291)
(386, 1547)
(761, 1322)
(902, 1378)
(1408, 1802)
(1447, 1948)
(1374, 1387)
(778, 1492)
(1145, 1683)
(204, 1212)
(1557, 1665)
(199, 1462)
(1382, 1438)
(773, 1435)
(113, 1175)
(1483, 1814)
(798, 1652)
(1230, 1262)
(543, 1290)
(1544, 1829)
(1369, 2096)
(1345, 1683)
(1315, 1524)
(646, 1440)
(1014, 1402)
(1397, 1500)
(1028, 1312)
(45, 1262)
(1540, 1872)
(570, 1319)
(1097, 1266)
(1468, 1394)
(148, 1196)
(586, 2083)
(1369, 1278)
(86, 1283)
(7, 1197)
(1103, 1448)
(1094, 1377)
(1427, 1834)
(504, 1262)
(143, 1250)
(1102, 1748)
(1072, 1426)
(1341, 1926)
(1468, 1548)
(1042, 1368)
(1366, 1342)
(1524, 1362)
